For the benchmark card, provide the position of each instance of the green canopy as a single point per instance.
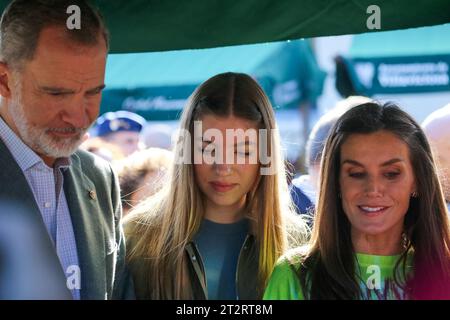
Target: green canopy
(154, 25)
(402, 61)
(157, 85)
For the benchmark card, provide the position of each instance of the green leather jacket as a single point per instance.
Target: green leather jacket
(246, 273)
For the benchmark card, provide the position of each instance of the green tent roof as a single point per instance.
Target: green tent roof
(154, 25)
(157, 85)
(186, 66)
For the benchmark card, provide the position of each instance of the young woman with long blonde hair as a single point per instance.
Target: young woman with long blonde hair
(217, 228)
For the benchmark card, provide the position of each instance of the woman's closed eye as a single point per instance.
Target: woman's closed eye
(392, 174)
(357, 175)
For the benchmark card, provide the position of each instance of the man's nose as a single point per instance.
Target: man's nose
(75, 113)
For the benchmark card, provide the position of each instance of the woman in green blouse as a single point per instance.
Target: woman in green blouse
(381, 229)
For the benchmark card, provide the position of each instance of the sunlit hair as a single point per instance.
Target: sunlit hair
(328, 268)
(162, 226)
(133, 170)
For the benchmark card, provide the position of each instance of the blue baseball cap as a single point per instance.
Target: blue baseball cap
(118, 121)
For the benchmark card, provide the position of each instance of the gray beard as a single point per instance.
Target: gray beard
(40, 140)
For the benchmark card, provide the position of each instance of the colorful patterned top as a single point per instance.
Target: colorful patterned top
(376, 274)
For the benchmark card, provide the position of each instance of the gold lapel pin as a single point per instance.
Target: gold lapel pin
(92, 194)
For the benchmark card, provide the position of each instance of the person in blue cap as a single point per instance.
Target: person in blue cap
(122, 129)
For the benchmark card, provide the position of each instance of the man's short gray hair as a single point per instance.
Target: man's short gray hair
(23, 20)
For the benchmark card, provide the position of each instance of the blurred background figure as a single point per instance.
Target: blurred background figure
(103, 149)
(157, 136)
(437, 129)
(122, 129)
(141, 175)
(304, 188)
(29, 268)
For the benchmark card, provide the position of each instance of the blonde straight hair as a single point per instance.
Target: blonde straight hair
(161, 227)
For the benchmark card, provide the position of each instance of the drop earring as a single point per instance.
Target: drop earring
(404, 240)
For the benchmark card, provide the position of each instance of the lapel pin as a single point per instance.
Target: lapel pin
(92, 194)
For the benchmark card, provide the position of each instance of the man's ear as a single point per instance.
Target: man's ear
(5, 79)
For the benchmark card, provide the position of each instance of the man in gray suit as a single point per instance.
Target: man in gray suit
(52, 71)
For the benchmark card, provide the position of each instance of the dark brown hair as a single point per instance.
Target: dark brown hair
(328, 268)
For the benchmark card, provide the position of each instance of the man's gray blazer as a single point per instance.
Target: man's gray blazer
(93, 198)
